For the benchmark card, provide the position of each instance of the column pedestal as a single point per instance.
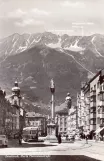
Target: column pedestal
(51, 133)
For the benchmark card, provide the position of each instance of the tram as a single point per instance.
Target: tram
(30, 134)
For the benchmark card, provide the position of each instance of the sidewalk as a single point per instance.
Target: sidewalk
(14, 143)
(92, 141)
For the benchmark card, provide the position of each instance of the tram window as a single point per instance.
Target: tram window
(33, 132)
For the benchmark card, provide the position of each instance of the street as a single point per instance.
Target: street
(93, 150)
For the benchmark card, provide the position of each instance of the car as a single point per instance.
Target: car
(3, 141)
(71, 137)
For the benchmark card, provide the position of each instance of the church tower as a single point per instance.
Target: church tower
(16, 96)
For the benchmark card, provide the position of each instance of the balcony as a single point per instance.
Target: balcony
(92, 104)
(92, 115)
(92, 127)
(101, 91)
(93, 93)
(101, 115)
(101, 103)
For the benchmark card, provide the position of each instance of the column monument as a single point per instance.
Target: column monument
(51, 126)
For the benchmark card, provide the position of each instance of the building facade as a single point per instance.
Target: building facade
(61, 120)
(17, 110)
(81, 109)
(72, 121)
(93, 103)
(36, 119)
(4, 112)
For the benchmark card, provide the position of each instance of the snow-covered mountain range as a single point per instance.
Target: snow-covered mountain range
(18, 43)
(34, 59)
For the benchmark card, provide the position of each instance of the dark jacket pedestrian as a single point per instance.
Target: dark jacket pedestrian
(20, 139)
(66, 137)
(86, 139)
(59, 138)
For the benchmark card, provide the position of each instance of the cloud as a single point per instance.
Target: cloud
(28, 22)
(38, 12)
(72, 4)
(18, 13)
(35, 16)
(23, 18)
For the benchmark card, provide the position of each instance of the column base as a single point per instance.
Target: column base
(51, 139)
(51, 133)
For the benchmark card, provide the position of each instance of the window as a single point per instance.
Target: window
(93, 99)
(61, 123)
(98, 97)
(65, 124)
(91, 89)
(15, 102)
(102, 97)
(98, 84)
(95, 87)
(65, 119)
(93, 110)
(60, 129)
(99, 110)
(102, 109)
(102, 120)
(64, 129)
(93, 121)
(101, 88)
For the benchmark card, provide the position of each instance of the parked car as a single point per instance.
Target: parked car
(3, 141)
(71, 137)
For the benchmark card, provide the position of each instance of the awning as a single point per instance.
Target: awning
(99, 130)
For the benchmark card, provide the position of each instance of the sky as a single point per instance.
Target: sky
(73, 17)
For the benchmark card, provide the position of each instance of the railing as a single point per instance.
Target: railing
(92, 115)
(93, 93)
(101, 103)
(92, 104)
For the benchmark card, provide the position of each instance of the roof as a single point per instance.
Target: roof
(33, 114)
(99, 73)
(15, 88)
(60, 107)
(63, 111)
(30, 128)
(86, 86)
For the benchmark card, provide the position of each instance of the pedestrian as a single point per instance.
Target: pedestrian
(59, 138)
(20, 139)
(103, 137)
(86, 139)
(97, 137)
(66, 137)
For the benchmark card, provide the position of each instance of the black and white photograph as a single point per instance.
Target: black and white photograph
(51, 80)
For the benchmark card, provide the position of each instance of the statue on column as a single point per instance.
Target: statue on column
(68, 101)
